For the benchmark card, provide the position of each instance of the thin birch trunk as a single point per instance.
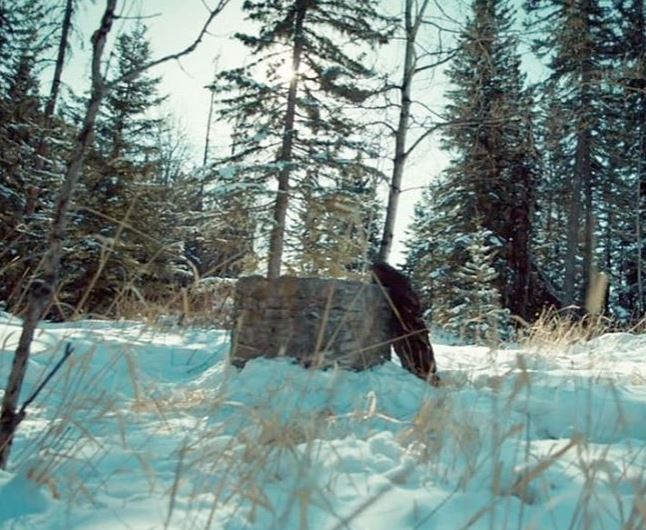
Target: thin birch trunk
(209, 120)
(42, 291)
(399, 161)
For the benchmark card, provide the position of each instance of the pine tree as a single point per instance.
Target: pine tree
(126, 237)
(573, 37)
(5, 32)
(628, 149)
(550, 234)
(340, 226)
(492, 172)
(225, 211)
(223, 227)
(26, 192)
(429, 252)
(126, 129)
(291, 104)
(476, 313)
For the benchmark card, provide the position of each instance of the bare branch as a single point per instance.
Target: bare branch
(69, 349)
(128, 76)
(381, 123)
(138, 17)
(429, 66)
(422, 137)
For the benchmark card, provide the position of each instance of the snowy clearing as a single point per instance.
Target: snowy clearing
(145, 429)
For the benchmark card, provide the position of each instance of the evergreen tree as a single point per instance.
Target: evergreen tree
(573, 37)
(492, 172)
(627, 150)
(223, 236)
(292, 103)
(429, 249)
(476, 313)
(127, 130)
(5, 31)
(340, 226)
(126, 235)
(550, 230)
(26, 192)
(222, 227)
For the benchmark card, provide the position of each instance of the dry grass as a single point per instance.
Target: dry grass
(197, 305)
(557, 329)
(232, 466)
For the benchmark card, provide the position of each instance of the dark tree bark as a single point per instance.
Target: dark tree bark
(43, 145)
(277, 240)
(413, 346)
(60, 59)
(519, 245)
(581, 180)
(639, 43)
(43, 289)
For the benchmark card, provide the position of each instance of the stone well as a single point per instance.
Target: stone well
(318, 321)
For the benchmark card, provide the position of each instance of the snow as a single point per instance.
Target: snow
(151, 428)
(228, 172)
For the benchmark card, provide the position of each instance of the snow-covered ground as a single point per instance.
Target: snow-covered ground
(144, 429)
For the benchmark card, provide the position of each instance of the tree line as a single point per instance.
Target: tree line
(544, 191)
(543, 197)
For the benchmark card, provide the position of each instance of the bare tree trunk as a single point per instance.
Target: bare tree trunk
(641, 170)
(43, 289)
(641, 198)
(42, 148)
(60, 59)
(589, 266)
(399, 162)
(581, 181)
(519, 246)
(277, 240)
(572, 244)
(207, 138)
(581, 174)
(209, 120)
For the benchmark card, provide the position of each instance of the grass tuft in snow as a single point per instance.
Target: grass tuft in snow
(152, 428)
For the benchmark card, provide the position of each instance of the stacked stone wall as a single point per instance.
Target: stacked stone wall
(318, 321)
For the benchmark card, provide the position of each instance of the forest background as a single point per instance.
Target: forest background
(531, 190)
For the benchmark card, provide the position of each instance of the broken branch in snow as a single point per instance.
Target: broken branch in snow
(69, 349)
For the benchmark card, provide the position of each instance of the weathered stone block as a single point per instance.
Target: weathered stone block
(315, 320)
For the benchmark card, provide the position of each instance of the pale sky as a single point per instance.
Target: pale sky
(173, 24)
